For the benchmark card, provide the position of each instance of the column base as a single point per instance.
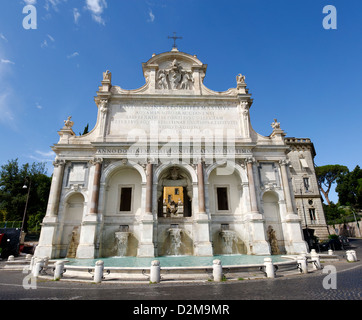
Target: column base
(297, 247)
(260, 248)
(146, 250)
(86, 251)
(203, 249)
(45, 251)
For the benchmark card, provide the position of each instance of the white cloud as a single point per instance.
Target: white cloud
(3, 37)
(51, 38)
(5, 61)
(96, 7)
(32, 2)
(76, 15)
(53, 3)
(151, 15)
(38, 106)
(44, 44)
(7, 116)
(73, 55)
(45, 154)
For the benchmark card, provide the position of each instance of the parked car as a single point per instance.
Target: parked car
(344, 240)
(334, 244)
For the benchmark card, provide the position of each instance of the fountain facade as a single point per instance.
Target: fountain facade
(117, 178)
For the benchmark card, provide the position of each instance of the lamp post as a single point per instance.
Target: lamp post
(305, 218)
(27, 180)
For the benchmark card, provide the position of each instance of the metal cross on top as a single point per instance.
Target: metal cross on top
(174, 40)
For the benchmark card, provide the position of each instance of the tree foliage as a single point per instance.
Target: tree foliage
(13, 196)
(327, 175)
(349, 188)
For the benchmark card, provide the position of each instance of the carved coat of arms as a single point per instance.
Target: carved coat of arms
(174, 78)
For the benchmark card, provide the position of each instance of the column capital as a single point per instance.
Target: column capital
(58, 163)
(284, 162)
(96, 161)
(250, 160)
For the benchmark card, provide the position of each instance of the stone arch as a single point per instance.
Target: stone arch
(123, 176)
(161, 169)
(237, 168)
(184, 177)
(114, 167)
(232, 182)
(71, 220)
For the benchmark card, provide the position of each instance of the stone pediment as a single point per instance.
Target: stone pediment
(174, 71)
(177, 73)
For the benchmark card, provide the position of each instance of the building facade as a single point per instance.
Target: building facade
(176, 168)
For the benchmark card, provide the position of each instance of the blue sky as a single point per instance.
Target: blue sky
(307, 77)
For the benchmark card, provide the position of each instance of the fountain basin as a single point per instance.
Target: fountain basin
(176, 261)
(179, 268)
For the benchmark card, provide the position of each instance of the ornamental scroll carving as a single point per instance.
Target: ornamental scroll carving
(174, 78)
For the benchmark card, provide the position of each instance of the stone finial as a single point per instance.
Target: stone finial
(240, 80)
(66, 132)
(275, 124)
(106, 82)
(107, 76)
(68, 124)
(277, 131)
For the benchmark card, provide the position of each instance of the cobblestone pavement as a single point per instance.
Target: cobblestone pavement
(293, 287)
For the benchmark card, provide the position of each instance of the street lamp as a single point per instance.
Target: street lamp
(27, 180)
(305, 218)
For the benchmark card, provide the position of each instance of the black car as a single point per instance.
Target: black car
(333, 244)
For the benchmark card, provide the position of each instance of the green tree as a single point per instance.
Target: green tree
(85, 131)
(12, 194)
(327, 175)
(349, 188)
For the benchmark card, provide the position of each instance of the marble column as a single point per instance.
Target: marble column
(286, 187)
(294, 235)
(202, 243)
(149, 183)
(56, 188)
(96, 186)
(201, 190)
(257, 235)
(253, 200)
(146, 246)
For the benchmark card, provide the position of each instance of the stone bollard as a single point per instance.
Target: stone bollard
(38, 266)
(317, 262)
(155, 272)
(32, 261)
(330, 252)
(350, 256)
(217, 270)
(28, 257)
(354, 255)
(46, 262)
(59, 269)
(302, 260)
(98, 271)
(11, 258)
(269, 268)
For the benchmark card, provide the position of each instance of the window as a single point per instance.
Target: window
(222, 199)
(306, 183)
(304, 163)
(177, 191)
(312, 214)
(126, 199)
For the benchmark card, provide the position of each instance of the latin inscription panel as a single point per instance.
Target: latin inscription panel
(125, 118)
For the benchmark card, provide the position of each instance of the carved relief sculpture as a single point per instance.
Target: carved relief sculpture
(174, 78)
